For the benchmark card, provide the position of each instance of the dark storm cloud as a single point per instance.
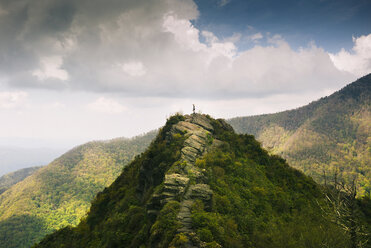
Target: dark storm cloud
(59, 17)
(30, 30)
(11, 23)
(25, 27)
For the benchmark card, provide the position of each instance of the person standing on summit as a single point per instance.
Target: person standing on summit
(194, 108)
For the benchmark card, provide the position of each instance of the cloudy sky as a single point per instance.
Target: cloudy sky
(73, 71)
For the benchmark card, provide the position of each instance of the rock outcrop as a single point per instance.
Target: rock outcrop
(185, 182)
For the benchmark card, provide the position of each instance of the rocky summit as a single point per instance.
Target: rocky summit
(199, 184)
(187, 182)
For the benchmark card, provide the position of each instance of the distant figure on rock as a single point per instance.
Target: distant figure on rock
(194, 108)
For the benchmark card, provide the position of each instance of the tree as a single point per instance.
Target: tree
(345, 211)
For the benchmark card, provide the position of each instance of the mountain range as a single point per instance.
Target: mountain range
(328, 138)
(8, 180)
(199, 184)
(59, 194)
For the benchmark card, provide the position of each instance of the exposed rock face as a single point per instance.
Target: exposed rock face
(197, 137)
(186, 182)
(200, 120)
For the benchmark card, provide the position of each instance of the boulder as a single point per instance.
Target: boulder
(202, 121)
(176, 180)
(201, 191)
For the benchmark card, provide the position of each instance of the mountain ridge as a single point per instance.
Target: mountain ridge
(204, 186)
(8, 180)
(323, 137)
(278, 133)
(59, 194)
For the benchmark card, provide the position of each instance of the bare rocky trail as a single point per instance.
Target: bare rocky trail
(186, 183)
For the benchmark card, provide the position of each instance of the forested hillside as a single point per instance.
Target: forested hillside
(200, 184)
(327, 138)
(7, 180)
(59, 194)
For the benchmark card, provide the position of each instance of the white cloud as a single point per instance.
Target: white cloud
(185, 34)
(358, 60)
(51, 68)
(217, 70)
(149, 52)
(134, 69)
(234, 38)
(209, 37)
(256, 37)
(107, 105)
(11, 100)
(217, 48)
(275, 39)
(152, 49)
(224, 2)
(190, 58)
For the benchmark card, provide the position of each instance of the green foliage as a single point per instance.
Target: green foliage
(59, 194)
(8, 180)
(258, 201)
(163, 230)
(328, 136)
(171, 121)
(179, 240)
(33, 229)
(117, 217)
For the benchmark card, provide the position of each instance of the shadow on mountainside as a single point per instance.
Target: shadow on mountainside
(13, 230)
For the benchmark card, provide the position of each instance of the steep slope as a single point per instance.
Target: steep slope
(201, 185)
(328, 136)
(60, 193)
(12, 178)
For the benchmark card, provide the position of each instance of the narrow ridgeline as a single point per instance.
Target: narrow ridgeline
(199, 184)
(186, 182)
